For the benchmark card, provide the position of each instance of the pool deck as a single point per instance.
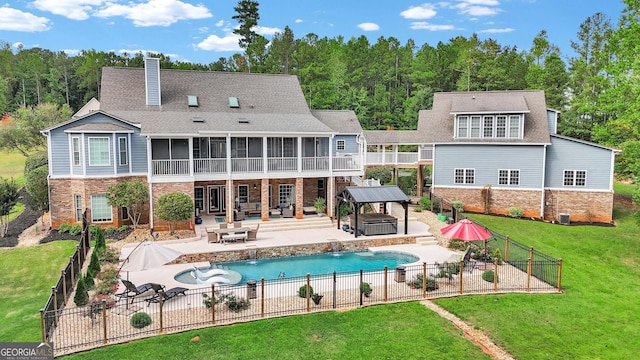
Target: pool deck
(165, 274)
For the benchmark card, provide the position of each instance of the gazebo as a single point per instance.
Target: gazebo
(377, 223)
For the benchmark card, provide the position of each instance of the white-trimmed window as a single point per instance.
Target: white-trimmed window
(509, 177)
(198, 198)
(100, 209)
(575, 178)
(99, 151)
(340, 145)
(464, 176)
(243, 194)
(123, 151)
(75, 146)
(488, 126)
(287, 194)
(77, 200)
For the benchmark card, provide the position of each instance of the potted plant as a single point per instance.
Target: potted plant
(321, 206)
(365, 289)
(316, 298)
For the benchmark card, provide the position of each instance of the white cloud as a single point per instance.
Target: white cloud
(16, 20)
(483, 2)
(71, 52)
(155, 12)
(423, 25)
(497, 31)
(220, 23)
(216, 43)
(424, 11)
(298, 21)
(263, 30)
(479, 11)
(72, 9)
(368, 26)
(17, 44)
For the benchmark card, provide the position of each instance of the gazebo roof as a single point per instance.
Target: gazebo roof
(370, 194)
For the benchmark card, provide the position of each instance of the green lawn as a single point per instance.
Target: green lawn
(599, 314)
(624, 189)
(12, 166)
(27, 275)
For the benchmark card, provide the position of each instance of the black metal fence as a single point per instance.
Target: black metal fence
(64, 287)
(81, 328)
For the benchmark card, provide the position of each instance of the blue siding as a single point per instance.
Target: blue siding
(350, 144)
(61, 149)
(566, 154)
(487, 160)
(552, 121)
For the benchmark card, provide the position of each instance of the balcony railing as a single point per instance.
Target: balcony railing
(170, 167)
(315, 163)
(391, 158)
(255, 165)
(210, 166)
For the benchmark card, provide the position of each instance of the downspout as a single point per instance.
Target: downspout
(50, 166)
(149, 182)
(544, 175)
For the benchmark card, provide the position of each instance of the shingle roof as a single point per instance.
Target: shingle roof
(390, 137)
(342, 121)
(97, 127)
(436, 125)
(269, 102)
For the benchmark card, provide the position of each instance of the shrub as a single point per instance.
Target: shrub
(108, 279)
(488, 276)
(140, 320)
(94, 265)
(207, 301)
(316, 298)
(75, 229)
(100, 244)
(416, 283)
(236, 304)
(515, 212)
(408, 184)
(458, 205)
(81, 297)
(109, 255)
(365, 289)
(481, 255)
(174, 207)
(302, 292)
(379, 172)
(425, 203)
(123, 228)
(457, 244)
(497, 255)
(93, 230)
(109, 231)
(447, 270)
(88, 279)
(64, 228)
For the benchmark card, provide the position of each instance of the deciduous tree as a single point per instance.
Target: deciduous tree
(174, 207)
(8, 198)
(132, 195)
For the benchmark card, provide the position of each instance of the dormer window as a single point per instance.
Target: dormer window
(489, 126)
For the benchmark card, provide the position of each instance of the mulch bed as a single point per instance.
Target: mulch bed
(22, 222)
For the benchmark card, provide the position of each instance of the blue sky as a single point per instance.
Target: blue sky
(200, 31)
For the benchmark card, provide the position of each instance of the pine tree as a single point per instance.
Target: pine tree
(82, 296)
(94, 265)
(101, 244)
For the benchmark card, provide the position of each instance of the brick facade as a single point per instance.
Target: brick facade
(501, 200)
(62, 199)
(582, 206)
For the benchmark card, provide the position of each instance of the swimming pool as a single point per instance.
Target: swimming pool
(315, 264)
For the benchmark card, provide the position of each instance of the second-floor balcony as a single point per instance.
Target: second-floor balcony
(399, 158)
(219, 166)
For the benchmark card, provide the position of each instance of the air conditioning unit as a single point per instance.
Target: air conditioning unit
(564, 219)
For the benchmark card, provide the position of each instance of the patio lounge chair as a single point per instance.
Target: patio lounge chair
(469, 263)
(166, 295)
(131, 291)
(253, 234)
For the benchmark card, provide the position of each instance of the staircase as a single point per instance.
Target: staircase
(308, 222)
(426, 240)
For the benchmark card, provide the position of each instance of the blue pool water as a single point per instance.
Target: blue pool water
(316, 264)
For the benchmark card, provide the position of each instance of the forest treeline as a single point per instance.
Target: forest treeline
(596, 88)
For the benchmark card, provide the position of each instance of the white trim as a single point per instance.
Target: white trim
(73, 152)
(544, 175)
(93, 212)
(83, 155)
(245, 186)
(580, 189)
(129, 159)
(612, 170)
(464, 176)
(574, 178)
(480, 187)
(108, 150)
(115, 153)
(71, 131)
(509, 184)
(106, 176)
(344, 144)
(490, 112)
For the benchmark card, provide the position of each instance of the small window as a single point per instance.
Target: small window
(100, 209)
(340, 145)
(233, 102)
(77, 200)
(463, 126)
(192, 100)
(501, 126)
(123, 151)
(125, 213)
(75, 143)
(99, 151)
(575, 178)
(464, 176)
(509, 177)
(243, 194)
